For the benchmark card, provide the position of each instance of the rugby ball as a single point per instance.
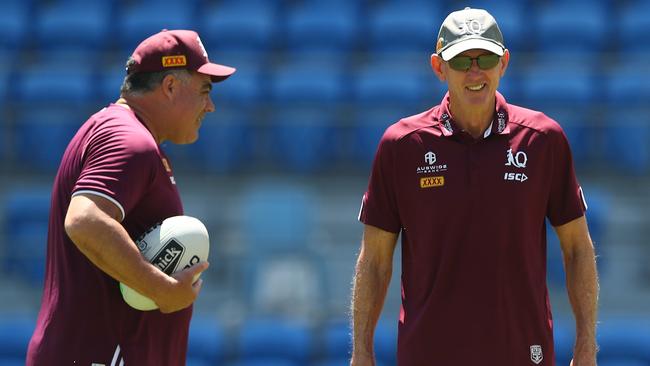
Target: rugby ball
(172, 245)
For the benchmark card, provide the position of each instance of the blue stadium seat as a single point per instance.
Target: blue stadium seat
(626, 141)
(42, 135)
(386, 342)
(563, 337)
(269, 339)
(206, 343)
(403, 26)
(83, 24)
(337, 341)
(397, 83)
(558, 29)
(239, 26)
(139, 20)
(368, 127)
(558, 85)
(277, 217)
(623, 85)
(108, 83)
(246, 88)
(264, 362)
(632, 21)
(55, 84)
(322, 26)
(26, 214)
(624, 338)
(623, 361)
(302, 82)
(302, 139)
(15, 332)
(224, 143)
(14, 21)
(580, 129)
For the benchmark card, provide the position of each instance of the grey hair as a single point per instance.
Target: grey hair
(143, 82)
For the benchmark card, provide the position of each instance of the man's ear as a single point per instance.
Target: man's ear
(169, 85)
(505, 59)
(437, 65)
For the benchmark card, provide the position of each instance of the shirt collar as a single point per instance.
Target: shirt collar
(448, 127)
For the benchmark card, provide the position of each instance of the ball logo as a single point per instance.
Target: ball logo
(168, 257)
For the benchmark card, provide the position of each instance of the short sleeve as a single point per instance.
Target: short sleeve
(117, 164)
(566, 202)
(379, 205)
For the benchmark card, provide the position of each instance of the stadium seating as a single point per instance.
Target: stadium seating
(41, 136)
(624, 338)
(562, 85)
(315, 82)
(274, 341)
(15, 332)
(304, 139)
(395, 27)
(82, 24)
(623, 84)
(72, 86)
(558, 29)
(223, 146)
(239, 26)
(26, 215)
(322, 26)
(14, 20)
(626, 136)
(206, 343)
(631, 21)
(139, 20)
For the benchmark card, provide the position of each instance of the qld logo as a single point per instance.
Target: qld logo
(518, 159)
(536, 354)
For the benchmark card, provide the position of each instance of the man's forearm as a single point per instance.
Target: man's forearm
(370, 286)
(582, 287)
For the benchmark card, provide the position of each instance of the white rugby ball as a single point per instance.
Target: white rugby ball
(173, 245)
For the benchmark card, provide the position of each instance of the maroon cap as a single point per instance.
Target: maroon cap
(171, 49)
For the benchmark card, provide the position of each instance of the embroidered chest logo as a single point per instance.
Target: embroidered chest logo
(429, 182)
(517, 160)
(430, 159)
(536, 354)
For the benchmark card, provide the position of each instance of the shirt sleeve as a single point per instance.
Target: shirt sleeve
(117, 164)
(379, 206)
(566, 201)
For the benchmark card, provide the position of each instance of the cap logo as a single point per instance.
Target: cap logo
(472, 26)
(172, 61)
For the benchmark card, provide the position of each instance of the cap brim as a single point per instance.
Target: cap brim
(216, 71)
(471, 44)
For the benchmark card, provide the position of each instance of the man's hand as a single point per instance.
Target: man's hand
(182, 290)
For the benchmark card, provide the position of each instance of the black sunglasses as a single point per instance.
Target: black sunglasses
(485, 62)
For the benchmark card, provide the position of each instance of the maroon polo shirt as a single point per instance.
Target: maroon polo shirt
(83, 319)
(471, 214)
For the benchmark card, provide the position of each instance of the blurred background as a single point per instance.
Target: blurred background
(280, 168)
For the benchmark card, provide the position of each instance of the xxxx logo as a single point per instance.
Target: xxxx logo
(171, 61)
(429, 182)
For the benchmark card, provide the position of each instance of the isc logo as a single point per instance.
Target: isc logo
(519, 177)
(168, 257)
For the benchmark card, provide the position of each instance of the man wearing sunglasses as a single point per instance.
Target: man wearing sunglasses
(469, 185)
